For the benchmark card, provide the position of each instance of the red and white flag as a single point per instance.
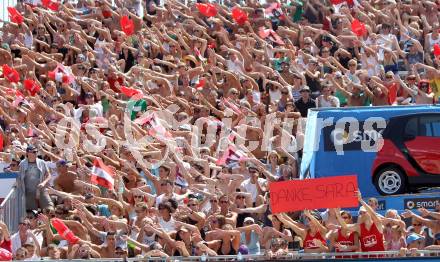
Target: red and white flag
(274, 11)
(231, 105)
(338, 4)
(231, 155)
(18, 97)
(102, 175)
(61, 74)
(154, 127)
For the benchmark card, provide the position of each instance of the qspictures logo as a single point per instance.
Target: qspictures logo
(415, 203)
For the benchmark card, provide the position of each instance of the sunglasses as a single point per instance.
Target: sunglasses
(164, 184)
(240, 197)
(137, 196)
(284, 93)
(213, 201)
(224, 202)
(416, 225)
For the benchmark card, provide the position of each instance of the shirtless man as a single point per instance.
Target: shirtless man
(65, 179)
(108, 249)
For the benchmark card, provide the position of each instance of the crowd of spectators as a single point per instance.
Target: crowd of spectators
(166, 99)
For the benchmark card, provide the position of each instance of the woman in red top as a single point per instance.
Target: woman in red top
(5, 240)
(343, 240)
(369, 227)
(313, 237)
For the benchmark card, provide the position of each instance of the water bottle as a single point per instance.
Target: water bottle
(203, 258)
(239, 256)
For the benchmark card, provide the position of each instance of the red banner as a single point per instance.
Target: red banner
(327, 192)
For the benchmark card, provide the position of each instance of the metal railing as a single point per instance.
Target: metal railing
(11, 209)
(420, 255)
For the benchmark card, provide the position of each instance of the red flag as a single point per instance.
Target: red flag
(15, 16)
(208, 10)
(130, 91)
(64, 231)
(392, 94)
(358, 28)
(127, 25)
(11, 74)
(31, 86)
(271, 34)
(1, 141)
(51, 4)
(436, 51)
(201, 83)
(231, 155)
(337, 2)
(239, 16)
(102, 175)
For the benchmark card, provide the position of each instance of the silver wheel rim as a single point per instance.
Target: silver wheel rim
(390, 182)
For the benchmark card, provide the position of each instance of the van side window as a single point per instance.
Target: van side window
(411, 127)
(429, 126)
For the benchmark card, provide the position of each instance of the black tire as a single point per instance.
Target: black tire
(390, 181)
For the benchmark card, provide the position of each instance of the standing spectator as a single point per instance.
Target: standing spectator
(305, 102)
(32, 179)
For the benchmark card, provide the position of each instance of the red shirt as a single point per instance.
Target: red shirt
(308, 241)
(6, 245)
(112, 81)
(346, 241)
(371, 240)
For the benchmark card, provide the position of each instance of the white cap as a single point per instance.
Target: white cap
(248, 219)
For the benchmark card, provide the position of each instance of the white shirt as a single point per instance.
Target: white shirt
(95, 111)
(332, 101)
(53, 171)
(16, 242)
(167, 226)
(234, 66)
(252, 188)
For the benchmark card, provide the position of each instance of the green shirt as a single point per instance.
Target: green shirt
(341, 97)
(299, 10)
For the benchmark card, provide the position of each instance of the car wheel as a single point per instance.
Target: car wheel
(390, 181)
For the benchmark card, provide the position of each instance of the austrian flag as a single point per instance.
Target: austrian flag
(102, 175)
